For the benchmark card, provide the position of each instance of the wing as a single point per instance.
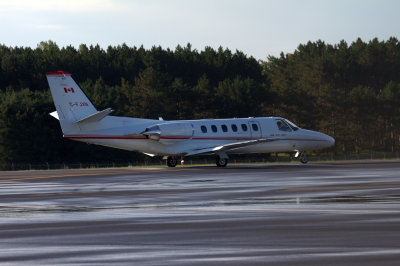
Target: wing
(229, 146)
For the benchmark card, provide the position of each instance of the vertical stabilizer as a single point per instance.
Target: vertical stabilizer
(71, 103)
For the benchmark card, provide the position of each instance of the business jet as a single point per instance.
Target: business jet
(81, 121)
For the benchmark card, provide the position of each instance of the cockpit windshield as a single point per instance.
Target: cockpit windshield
(282, 125)
(292, 125)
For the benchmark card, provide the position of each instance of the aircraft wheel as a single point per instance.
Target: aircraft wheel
(303, 157)
(221, 162)
(171, 161)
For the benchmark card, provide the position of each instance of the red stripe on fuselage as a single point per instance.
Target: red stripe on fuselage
(306, 140)
(176, 138)
(101, 137)
(221, 138)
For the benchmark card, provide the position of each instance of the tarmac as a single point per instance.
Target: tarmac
(273, 214)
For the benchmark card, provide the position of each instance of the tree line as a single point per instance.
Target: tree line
(349, 91)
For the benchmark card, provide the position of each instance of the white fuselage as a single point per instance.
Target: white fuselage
(182, 136)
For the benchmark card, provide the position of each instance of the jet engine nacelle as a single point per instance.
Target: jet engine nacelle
(169, 131)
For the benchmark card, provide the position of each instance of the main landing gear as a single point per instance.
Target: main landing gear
(221, 162)
(171, 161)
(303, 156)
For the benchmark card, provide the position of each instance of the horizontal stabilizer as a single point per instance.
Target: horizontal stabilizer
(55, 115)
(96, 116)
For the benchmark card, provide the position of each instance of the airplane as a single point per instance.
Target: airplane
(81, 121)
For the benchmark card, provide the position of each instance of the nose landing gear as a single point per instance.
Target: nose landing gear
(303, 156)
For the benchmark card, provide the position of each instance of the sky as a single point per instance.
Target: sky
(258, 28)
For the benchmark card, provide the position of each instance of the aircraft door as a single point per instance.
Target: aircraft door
(255, 129)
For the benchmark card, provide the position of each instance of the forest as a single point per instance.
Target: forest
(348, 91)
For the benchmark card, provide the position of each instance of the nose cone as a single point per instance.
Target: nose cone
(326, 141)
(317, 140)
(330, 141)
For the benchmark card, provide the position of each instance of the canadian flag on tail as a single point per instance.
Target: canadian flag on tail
(69, 90)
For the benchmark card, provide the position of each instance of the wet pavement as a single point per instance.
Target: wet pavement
(315, 214)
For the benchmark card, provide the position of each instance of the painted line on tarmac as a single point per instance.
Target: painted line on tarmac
(270, 210)
(203, 209)
(98, 174)
(375, 185)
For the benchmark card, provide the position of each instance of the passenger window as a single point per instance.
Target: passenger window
(244, 127)
(282, 126)
(254, 126)
(203, 129)
(214, 128)
(234, 128)
(224, 128)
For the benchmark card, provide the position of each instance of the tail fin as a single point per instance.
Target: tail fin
(72, 105)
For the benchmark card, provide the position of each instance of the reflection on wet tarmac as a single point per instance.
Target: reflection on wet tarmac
(280, 214)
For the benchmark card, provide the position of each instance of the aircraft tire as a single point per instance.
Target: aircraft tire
(171, 161)
(221, 162)
(303, 158)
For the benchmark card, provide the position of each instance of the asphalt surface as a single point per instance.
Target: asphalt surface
(315, 214)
